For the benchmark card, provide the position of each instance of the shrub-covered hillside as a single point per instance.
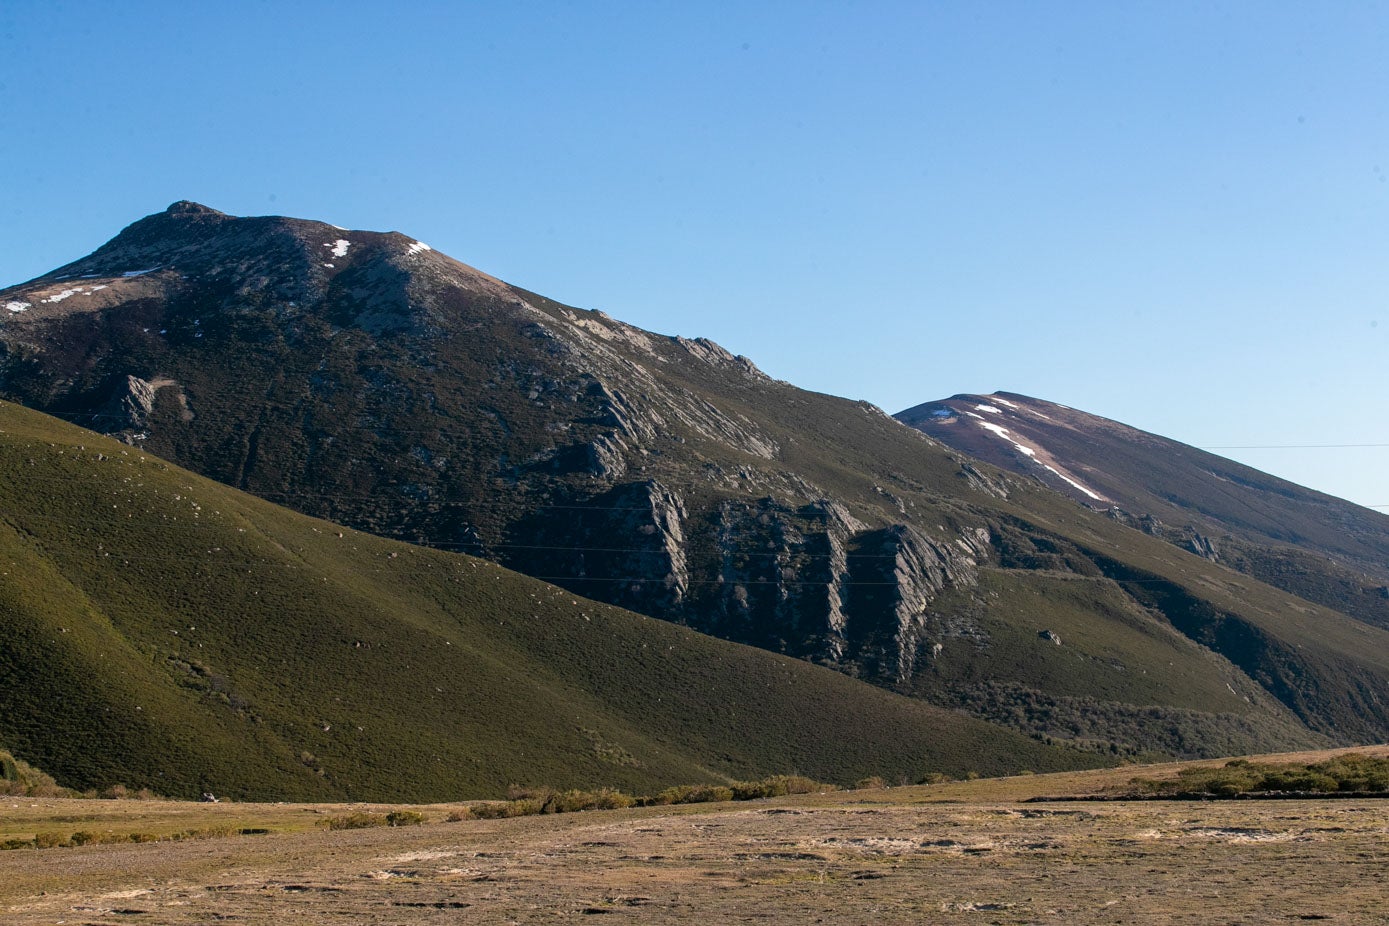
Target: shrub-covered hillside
(164, 631)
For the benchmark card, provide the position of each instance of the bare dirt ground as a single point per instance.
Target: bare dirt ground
(966, 852)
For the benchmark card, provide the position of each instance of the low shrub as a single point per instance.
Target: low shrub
(492, 810)
(694, 794)
(1349, 773)
(355, 821)
(573, 801)
(404, 818)
(779, 786)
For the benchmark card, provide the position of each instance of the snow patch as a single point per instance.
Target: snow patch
(17, 307)
(990, 409)
(1004, 402)
(1003, 433)
(1098, 498)
(138, 273)
(997, 429)
(339, 247)
(417, 247)
(97, 289)
(65, 294)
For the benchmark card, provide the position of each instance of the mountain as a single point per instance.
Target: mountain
(1319, 547)
(367, 379)
(164, 631)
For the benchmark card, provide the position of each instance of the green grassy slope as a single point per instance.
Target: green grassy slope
(165, 631)
(1331, 670)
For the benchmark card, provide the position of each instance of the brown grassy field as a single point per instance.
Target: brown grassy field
(962, 852)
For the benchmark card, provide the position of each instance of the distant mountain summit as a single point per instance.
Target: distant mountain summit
(1317, 546)
(368, 379)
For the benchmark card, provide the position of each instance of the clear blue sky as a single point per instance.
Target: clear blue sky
(1171, 214)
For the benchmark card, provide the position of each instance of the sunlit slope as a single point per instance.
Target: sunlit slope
(162, 630)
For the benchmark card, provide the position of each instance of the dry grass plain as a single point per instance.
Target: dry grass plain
(963, 852)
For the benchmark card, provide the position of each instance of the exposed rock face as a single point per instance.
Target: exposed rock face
(779, 576)
(366, 378)
(977, 480)
(899, 572)
(1201, 545)
(810, 581)
(130, 409)
(128, 412)
(625, 546)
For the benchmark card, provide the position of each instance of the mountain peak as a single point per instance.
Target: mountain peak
(188, 207)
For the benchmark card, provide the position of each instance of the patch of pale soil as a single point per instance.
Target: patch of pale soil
(426, 856)
(1238, 834)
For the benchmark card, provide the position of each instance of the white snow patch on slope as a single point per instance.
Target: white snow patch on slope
(1098, 498)
(17, 307)
(989, 408)
(997, 429)
(339, 247)
(1003, 433)
(1004, 402)
(138, 273)
(1028, 451)
(65, 294)
(419, 246)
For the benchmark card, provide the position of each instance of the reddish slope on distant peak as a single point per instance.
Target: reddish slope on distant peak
(1320, 547)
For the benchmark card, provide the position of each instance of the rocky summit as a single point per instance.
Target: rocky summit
(366, 378)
